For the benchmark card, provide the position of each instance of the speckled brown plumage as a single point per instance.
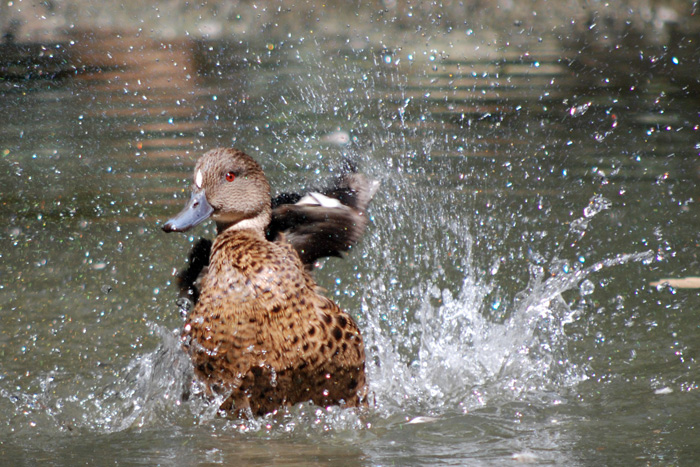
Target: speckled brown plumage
(261, 330)
(261, 334)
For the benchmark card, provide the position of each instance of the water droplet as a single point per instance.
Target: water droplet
(586, 287)
(273, 378)
(185, 305)
(387, 58)
(595, 205)
(536, 271)
(579, 110)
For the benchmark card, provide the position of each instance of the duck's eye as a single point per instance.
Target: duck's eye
(230, 176)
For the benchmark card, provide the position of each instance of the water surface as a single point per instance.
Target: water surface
(532, 190)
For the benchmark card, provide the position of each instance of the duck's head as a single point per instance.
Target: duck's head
(229, 187)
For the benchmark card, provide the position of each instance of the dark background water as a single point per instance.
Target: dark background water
(536, 179)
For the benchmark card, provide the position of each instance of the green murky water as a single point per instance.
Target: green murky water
(531, 193)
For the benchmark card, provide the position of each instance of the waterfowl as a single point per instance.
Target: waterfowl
(322, 223)
(261, 334)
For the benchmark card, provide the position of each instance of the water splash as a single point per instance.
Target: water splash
(467, 357)
(152, 386)
(444, 352)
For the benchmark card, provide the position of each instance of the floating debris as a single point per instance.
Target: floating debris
(692, 282)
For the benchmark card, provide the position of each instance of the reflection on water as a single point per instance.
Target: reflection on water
(526, 204)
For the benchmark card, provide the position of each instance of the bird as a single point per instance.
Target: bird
(260, 333)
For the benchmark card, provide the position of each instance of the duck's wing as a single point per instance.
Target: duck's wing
(189, 278)
(325, 222)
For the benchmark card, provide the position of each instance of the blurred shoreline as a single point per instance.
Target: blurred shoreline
(52, 39)
(50, 21)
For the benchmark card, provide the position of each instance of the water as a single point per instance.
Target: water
(532, 189)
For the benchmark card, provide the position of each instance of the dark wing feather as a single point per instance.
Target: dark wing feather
(198, 260)
(318, 230)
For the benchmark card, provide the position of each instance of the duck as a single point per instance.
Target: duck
(261, 334)
(322, 223)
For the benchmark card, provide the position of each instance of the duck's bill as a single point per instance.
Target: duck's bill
(196, 211)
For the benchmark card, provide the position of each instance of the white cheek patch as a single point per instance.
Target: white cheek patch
(317, 199)
(198, 179)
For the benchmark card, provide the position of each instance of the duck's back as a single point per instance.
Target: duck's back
(261, 332)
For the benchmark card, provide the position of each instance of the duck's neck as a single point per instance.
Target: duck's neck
(256, 224)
